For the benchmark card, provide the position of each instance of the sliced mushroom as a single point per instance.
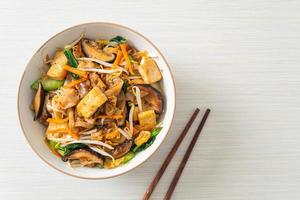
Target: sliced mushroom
(121, 149)
(45, 114)
(118, 141)
(38, 102)
(151, 97)
(85, 156)
(110, 50)
(92, 50)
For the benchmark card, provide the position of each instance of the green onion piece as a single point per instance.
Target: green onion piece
(135, 148)
(156, 131)
(71, 61)
(148, 144)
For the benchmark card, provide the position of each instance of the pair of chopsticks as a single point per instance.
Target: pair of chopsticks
(172, 153)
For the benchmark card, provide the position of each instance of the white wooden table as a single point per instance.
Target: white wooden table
(240, 58)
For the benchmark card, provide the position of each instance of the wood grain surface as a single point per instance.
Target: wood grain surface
(238, 57)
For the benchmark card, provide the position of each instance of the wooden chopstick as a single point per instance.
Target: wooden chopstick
(170, 156)
(186, 157)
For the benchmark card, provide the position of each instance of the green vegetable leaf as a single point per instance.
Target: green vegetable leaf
(71, 61)
(134, 148)
(52, 144)
(156, 131)
(56, 146)
(118, 39)
(35, 84)
(61, 151)
(144, 146)
(128, 157)
(66, 149)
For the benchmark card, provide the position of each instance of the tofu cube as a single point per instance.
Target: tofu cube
(147, 120)
(56, 70)
(91, 102)
(149, 71)
(142, 138)
(56, 126)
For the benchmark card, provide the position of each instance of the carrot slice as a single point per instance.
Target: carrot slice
(118, 59)
(73, 134)
(75, 82)
(75, 71)
(125, 54)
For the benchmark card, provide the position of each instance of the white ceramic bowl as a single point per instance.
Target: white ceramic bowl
(34, 132)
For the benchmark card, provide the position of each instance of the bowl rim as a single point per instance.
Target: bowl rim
(91, 23)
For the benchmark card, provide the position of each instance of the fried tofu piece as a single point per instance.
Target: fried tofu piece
(56, 70)
(147, 120)
(149, 71)
(54, 127)
(142, 138)
(57, 126)
(91, 102)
